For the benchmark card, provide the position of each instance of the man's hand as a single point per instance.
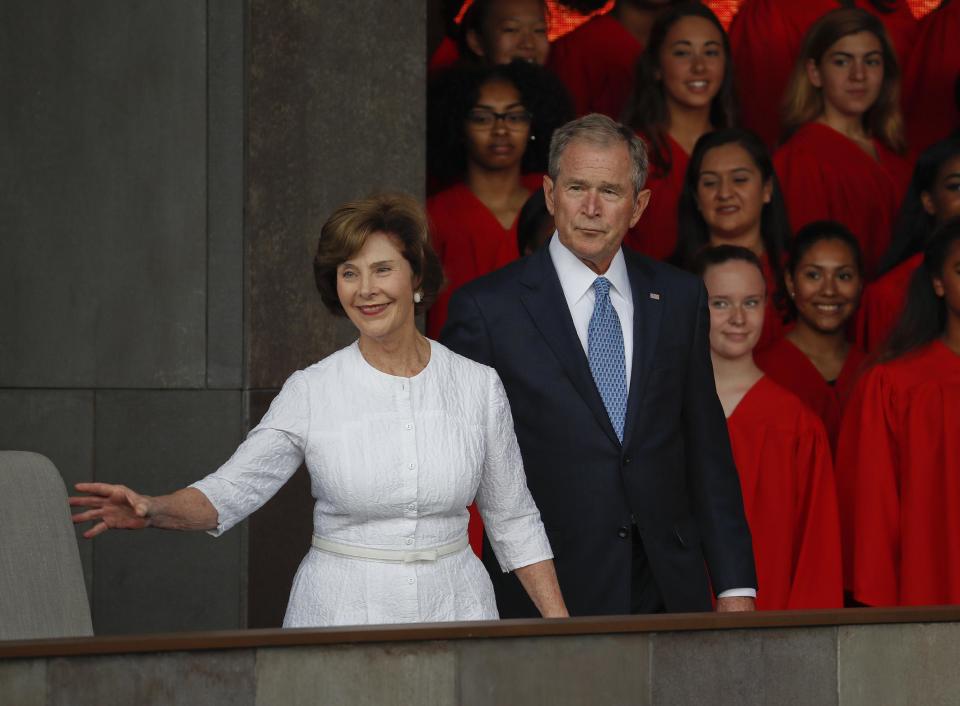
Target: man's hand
(735, 604)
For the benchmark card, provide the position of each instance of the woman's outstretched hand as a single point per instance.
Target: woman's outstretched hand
(112, 507)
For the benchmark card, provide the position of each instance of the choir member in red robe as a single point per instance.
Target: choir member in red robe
(731, 196)
(780, 447)
(499, 31)
(765, 38)
(596, 61)
(815, 360)
(932, 199)
(684, 89)
(482, 133)
(930, 73)
(843, 159)
(899, 453)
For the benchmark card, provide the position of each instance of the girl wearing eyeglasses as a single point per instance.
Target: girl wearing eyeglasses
(485, 133)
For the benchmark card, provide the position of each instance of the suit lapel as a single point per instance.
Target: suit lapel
(647, 313)
(544, 301)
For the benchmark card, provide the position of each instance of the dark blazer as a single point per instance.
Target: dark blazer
(673, 476)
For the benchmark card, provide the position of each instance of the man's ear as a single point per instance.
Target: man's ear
(473, 41)
(548, 194)
(926, 200)
(639, 206)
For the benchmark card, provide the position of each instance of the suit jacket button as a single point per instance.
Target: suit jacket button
(622, 533)
(626, 460)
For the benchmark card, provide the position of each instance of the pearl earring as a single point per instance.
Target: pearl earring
(417, 297)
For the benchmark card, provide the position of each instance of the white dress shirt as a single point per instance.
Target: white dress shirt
(576, 280)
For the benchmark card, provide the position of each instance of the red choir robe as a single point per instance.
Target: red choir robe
(765, 39)
(929, 75)
(789, 367)
(596, 63)
(656, 232)
(825, 175)
(882, 303)
(470, 242)
(446, 55)
(898, 481)
(789, 497)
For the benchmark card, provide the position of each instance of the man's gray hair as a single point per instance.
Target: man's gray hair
(600, 130)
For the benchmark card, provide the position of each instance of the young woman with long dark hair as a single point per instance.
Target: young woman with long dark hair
(731, 197)
(899, 448)
(815, 360)
(683, 89)
(932, 199)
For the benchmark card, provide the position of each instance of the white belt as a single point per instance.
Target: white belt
(400, 556)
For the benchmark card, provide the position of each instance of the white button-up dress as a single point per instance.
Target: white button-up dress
(393, 463)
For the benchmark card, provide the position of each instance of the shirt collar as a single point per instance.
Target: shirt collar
(576, 279)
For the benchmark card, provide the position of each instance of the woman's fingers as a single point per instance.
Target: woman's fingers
(104, 489)
(86, 501)
(98, 528)
(86, 516)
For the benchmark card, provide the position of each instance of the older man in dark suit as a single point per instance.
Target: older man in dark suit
(605, 359)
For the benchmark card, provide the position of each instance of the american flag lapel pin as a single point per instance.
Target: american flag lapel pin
(655, 296)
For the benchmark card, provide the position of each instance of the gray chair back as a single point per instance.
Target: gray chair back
(42, 593)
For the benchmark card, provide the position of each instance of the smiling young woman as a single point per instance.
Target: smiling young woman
(780, 447)
(842, 159)
(499, 31)
(399, 434)
(683, 89)
(731, 196)
(815, 360)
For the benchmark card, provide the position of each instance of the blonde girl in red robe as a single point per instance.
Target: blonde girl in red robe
(898, 461)
(843, 159)
(780, 447)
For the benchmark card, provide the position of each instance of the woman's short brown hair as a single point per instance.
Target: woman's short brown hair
(345, 232)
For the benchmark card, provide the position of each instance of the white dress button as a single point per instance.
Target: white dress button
(409, 541)
(412, 466)
(409, 427)
(410, 580)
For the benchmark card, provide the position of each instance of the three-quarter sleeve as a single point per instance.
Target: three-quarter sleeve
(271, 453)
(509, 513)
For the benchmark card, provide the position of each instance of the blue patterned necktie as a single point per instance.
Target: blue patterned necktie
(606, 357)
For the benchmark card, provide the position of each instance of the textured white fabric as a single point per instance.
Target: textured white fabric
(393, 464)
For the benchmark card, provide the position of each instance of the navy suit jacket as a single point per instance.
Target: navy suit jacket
(673, 475)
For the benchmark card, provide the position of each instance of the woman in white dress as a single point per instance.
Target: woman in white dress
(399, 435)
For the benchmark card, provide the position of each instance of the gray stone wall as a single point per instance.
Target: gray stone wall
(850, 665)
(165, 169)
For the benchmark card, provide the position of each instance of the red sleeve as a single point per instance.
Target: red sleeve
(803, 184)
(929, 74)
(818, 571)
(763, 45)
(868, 494)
